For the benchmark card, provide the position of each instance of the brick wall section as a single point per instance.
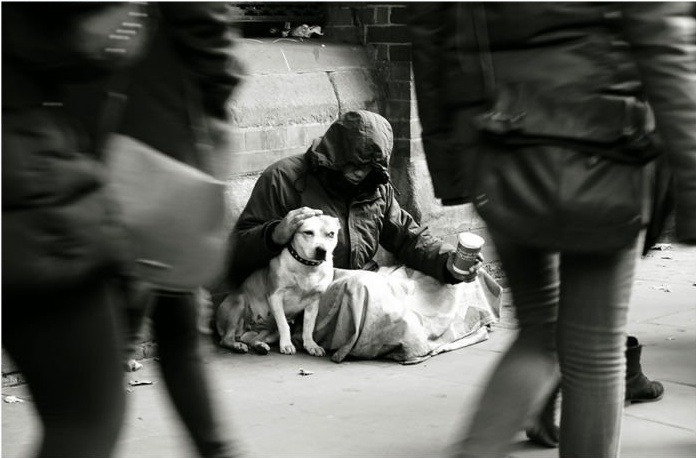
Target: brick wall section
(388, 35)
(385, 29)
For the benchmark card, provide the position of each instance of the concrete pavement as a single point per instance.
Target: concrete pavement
(382, 409)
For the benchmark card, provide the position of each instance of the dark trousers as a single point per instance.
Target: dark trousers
(174, 324)
(67, 345)
(571, 310)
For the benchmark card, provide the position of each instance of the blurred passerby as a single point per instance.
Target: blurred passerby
(61, 244)
(537, 113)
(177, 104)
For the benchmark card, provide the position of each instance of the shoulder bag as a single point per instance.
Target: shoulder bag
(556, 183)
(174, 214)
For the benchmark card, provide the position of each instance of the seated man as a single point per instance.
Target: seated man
(344, 174)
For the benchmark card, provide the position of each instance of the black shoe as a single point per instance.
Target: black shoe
(638, 387)
(545, 432)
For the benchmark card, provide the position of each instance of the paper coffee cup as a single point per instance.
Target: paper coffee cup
(468, 247)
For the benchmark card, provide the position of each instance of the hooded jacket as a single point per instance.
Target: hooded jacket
(591, 65)
(370, 215)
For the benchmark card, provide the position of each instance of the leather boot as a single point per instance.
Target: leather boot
(638, 387)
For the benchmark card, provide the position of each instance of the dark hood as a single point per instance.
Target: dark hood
(357, 137)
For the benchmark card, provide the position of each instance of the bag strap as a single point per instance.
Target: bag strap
(478, 15)
(198, 123)
(112, 111)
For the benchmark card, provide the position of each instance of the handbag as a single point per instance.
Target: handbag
(553, 181)
(174, 215)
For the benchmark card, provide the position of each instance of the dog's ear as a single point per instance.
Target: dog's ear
(336, 222)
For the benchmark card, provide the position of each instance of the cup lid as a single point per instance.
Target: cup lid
(469, 240)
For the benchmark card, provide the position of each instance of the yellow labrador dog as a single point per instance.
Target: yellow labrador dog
(257, 314)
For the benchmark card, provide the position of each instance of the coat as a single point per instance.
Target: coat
(595, 64)
(59, 222)
(371, 218)
(59, 225)
(177, 94)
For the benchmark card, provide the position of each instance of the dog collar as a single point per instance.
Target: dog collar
(306, 262)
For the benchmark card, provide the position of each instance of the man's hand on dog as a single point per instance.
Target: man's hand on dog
(292, 221)
(473, 270)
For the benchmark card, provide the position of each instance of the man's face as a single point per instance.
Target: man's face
(355, 173)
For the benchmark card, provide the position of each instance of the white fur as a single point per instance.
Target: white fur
(258, 313)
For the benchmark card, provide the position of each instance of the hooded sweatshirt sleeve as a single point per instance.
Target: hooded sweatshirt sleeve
(252, 246)
(413, 244)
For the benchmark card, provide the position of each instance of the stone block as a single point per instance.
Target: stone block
(304, 58)
(257, 161)
(238, 192)
(382, 51)
(272, 100)
(402, 144)
(343, 34)
(398, 109)
(235, 140)
(399, 91)
(339, 16)
(254, 139)
(314, 131)
(400, 53)
(388, 34)
(399, 15)
(367, 15)
(400, 71)
(275, 138)
(355, 90)
(290, 55)
(382, 14)
(296, 136)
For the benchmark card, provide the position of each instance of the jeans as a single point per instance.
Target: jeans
(67, 345)
(572, 310)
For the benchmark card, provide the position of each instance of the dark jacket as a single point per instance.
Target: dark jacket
(592, 65)
(58, 222)
(369, 218)
(177, 96)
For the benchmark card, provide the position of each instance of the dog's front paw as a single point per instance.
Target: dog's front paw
(314, 349)
(239, 347)
(287, 348)
(261, 348)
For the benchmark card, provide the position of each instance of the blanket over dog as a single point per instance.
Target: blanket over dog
(402, 314)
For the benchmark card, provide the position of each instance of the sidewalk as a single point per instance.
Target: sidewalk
(382, 409)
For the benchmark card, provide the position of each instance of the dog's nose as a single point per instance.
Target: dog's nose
(320, 254)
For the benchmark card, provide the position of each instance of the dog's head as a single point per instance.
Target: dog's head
(317, 237)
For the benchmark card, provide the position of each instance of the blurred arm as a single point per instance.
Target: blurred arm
(663, 39)
(204, 37)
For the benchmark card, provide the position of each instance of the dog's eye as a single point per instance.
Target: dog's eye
(331, 234)
(308, 232)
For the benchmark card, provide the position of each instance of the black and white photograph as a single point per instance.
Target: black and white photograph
(348, 229)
